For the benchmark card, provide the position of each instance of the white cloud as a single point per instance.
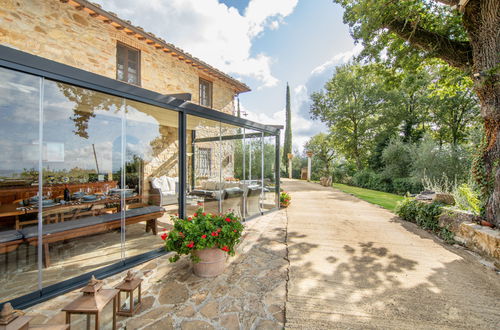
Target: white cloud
(338, 59)
(301, 126)
(210, 30)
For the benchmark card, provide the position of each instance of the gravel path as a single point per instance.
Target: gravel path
(356, 266)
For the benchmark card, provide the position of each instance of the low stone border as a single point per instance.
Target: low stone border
(250, 294)
(481, 239)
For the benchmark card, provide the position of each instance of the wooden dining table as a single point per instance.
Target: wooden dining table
(14, 210)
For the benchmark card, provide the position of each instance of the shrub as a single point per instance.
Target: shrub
(424, 215)
(427, 215)
(466, 198)
(402, 186)
(435, 161)
(397, 159)
(407, 209)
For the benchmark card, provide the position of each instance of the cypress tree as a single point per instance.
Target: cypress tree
(287, 148)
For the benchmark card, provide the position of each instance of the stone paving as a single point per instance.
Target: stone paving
(250, 294)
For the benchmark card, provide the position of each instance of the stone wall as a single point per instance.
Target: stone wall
(59, 32)
(482, 239)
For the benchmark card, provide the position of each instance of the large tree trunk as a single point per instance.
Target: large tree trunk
(482, 21)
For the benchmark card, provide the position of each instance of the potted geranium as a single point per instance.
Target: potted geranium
(285, 199)
(207, 238)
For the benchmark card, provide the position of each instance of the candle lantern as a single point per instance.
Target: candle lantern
(130, 290)
(92, 304)
(11, 319)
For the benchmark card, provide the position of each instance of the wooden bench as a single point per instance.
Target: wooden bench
(10, 241)
(57, 232)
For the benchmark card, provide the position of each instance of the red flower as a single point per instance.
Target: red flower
(225, 248)
(190, 244)
(218, 230)
(204, 214)
(164, 236)
(235, 230)
(164, 229)
(228, 219)
(203, 236)
(215, 233)
(195, 215)
(189, 219)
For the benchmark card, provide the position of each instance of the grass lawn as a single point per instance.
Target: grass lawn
(386, 200)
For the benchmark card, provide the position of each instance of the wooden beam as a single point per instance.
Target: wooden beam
(166, 50)
(150, 42)
(80, 7)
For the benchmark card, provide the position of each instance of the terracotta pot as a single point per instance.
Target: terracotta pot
(212, 262)
(486, 223)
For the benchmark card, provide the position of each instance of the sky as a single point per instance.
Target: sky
(264, 43)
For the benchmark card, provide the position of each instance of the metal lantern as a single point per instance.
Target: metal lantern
(92, 303)
(130, 288)
(11, 319)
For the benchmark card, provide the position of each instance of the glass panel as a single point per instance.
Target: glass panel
(19, 153)
(152, 174)
(232, 167)
(82, 157)
(269, 195)
(253, 181)
(204, 158)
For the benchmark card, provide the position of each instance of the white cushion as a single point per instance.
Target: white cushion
(157, 183)
(171, 183)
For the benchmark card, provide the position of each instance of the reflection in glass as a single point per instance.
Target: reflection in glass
(19, 153)
(270, 197)
(151, 172)
(81, 166)
(204, 165)
(253, 181)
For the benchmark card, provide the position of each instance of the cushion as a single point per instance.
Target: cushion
(156, 183)
(171, 183)
(10, 235)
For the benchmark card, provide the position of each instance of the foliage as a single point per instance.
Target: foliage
(433, 30)
(287, 147)
(437, 161)
(203, 231)
(349, 104)
(407, 209)
(321, 146)
(386, 200)
(403, 186)
(455, 107)
(285, 199)
(397, 159)
(466, 198)
(424, 215)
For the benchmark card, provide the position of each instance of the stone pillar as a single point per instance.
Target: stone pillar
(309, 155)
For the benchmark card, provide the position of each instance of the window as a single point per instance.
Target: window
(205, 93)
(128, 64)
(204, 162)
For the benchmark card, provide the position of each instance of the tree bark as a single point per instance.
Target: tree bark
(482, 22)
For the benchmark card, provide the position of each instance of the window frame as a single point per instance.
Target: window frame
(125, 68)
(209, 85)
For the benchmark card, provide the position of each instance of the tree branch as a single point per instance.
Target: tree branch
(455, 53)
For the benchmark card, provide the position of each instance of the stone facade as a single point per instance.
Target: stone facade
(60, 32)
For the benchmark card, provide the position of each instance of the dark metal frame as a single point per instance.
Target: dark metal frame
(47, 69)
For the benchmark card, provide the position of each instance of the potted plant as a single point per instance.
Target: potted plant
(207, 238)
(285, 199)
